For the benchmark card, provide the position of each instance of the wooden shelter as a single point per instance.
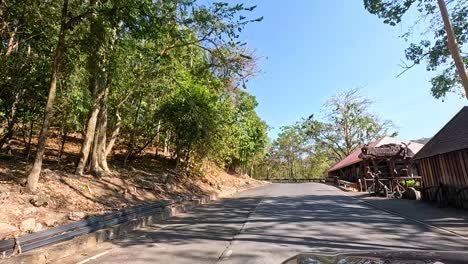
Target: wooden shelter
(353, 167)
(400, 170)
(444, 162)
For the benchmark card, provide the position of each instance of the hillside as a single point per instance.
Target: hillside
(65, 197)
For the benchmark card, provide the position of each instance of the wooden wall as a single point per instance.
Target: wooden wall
(449, 168)
(352, 171)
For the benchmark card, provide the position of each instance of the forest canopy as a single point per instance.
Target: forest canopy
(123, 77)
(128, 75)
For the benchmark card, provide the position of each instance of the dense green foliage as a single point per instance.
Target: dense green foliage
(167, 75)
(432, 48)
(293, 155)
(311, 146)
(410, 183)
(347, 124)
(139, 73)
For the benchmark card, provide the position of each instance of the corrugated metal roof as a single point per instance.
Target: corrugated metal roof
(453, 136)
(353, 158)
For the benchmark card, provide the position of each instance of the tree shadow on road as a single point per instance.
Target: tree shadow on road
(305, 222)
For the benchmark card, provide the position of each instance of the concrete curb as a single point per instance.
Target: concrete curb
(96, 239)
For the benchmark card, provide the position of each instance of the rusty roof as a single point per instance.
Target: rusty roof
(453, 136)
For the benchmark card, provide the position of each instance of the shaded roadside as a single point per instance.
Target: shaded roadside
(451, 219)
(273, 223)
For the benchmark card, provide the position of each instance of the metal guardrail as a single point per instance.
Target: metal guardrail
(85, 226)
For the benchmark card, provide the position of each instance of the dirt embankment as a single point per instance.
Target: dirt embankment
(65, 198)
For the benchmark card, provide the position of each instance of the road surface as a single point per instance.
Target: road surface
(272, 223)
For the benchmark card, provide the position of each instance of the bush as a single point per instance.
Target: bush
(410, 183)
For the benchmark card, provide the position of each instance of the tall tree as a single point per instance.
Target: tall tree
(184, 30)
(294, 155)
(348, 124)
(290, 147)
(127, 73)
(453, 46)
(444, 38)
(98, 88)
(65, 25)
(26, 59)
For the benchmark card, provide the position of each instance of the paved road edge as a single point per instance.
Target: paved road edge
(96, 239)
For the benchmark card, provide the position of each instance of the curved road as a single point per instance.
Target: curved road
(272, 223)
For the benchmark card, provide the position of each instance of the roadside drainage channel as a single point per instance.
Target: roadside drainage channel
(63, 241)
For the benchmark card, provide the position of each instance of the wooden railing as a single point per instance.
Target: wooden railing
(345, 184)
(394, 184)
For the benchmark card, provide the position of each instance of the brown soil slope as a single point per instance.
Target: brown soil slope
(68, 198)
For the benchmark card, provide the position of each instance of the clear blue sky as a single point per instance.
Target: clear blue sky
(315, 48)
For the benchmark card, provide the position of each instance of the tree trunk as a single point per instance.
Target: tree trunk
(118, 124)
(33, 177)
(97, 87)
(102, 138)
(62, 144)
(88, 139)
(133, 133)
(453, 46)
(31, 131)
(178, 158)
(23, 133)
(114, 134)
(11, 43)
(98, 160)
(103, 149)
(94, 167)
(6, 138)
(166, 142)
(141, 149)
(11, 121)
(157, 138)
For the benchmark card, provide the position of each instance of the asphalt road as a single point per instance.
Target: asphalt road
(275, 222)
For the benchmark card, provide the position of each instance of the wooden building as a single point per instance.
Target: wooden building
(444, 162)
(352, 167)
